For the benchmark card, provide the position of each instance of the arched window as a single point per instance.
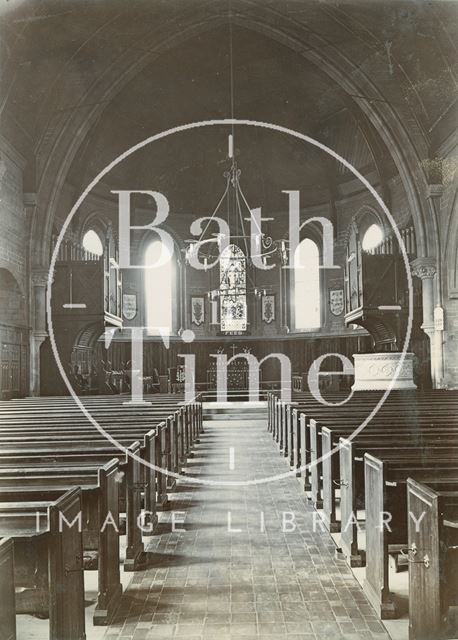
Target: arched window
(307, 299)
(233, 307)
(92, 242)
(372, 238)
(159, 287)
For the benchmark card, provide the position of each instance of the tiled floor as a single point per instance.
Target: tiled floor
(257, 582)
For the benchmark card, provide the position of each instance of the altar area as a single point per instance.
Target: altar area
(237, 371)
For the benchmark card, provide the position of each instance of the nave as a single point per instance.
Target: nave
(245, 529)
(210, 582)
(244, 199)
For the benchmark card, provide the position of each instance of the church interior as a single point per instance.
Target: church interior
(229, 319)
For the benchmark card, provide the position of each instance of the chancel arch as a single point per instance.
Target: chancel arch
(391, 126)
(310, 344)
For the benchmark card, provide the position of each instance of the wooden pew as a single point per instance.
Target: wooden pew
(188, 418)
(302, 443)
(285, 424)
(378, 434)
(46, 438)
(427, 420)
(385, 486)
(55, 435)
(155, 455)
(100, 516)
(346, 425)
(351, 483)
(360, 401)
(63, 455)
(433, 558)
(289, 428)
(48, 563)
(152, 481)
(7, 596)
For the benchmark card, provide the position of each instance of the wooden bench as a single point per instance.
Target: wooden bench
(346, 425)
(292, 430)
(379, 433)
(385, 487)
(186, 429)
(324, 439)
(283, 416)
(433, 558)
(425, 430)
(48, 447)
(48, 563)
(177, 439)
(188, 421)
(62, 454)
(7, 595)
(99, 517)
(352, 491)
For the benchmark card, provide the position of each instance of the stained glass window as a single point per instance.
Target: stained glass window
(307, 300)
(233, 290)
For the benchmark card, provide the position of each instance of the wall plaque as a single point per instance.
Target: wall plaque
(336, 301)
(129, 305)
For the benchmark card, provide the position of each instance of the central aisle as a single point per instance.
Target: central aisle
(209, 582)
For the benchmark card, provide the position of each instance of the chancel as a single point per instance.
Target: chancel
(228, 320)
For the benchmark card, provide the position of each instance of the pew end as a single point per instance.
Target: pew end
(7, 594)
(135, 551)
(433, 560)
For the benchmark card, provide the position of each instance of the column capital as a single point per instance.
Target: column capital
(424, 268)
(30, 199)
(434, 190)
(39, 277)
(39, 335)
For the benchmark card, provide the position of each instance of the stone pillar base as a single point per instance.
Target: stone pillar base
(376, 371)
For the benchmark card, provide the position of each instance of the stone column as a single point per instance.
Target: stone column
(39, 332)
(434, 195)
(425, 269)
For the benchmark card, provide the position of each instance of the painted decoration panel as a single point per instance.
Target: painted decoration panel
(268, 308)
(197, 310)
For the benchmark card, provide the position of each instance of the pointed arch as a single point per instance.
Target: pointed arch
(406, 151)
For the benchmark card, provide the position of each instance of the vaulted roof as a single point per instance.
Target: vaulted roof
(350, 72)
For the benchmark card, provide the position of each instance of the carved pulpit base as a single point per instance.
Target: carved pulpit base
(377, 371)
